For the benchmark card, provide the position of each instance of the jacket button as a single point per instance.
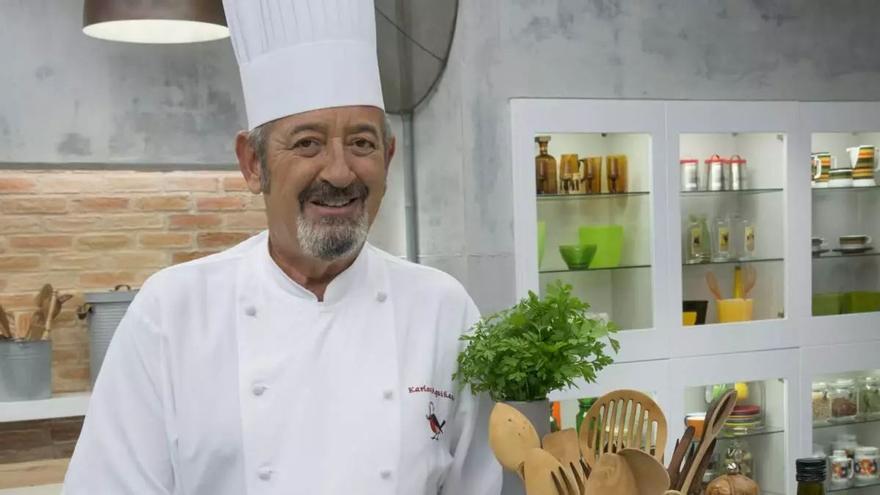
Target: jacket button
(265, 473)
(250, 311)
(388, 394)
(381, 296)
(258, 389)
(385, 474)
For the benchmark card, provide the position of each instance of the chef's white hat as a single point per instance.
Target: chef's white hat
(301, 55)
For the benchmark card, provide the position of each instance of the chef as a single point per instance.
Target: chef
(304, 360)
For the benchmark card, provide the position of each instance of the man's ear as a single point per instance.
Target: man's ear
(389, 152)
(248, 162)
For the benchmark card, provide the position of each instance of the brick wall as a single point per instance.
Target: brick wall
(88, 231)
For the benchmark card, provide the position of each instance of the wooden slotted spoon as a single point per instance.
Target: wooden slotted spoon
(717, 415)
(563, 445)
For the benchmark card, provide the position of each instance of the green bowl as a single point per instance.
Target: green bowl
(577, 256)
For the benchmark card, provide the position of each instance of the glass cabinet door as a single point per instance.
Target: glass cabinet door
(594, 220)
(732, 245)
(846, 202)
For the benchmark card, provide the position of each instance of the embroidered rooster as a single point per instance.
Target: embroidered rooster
(436, 425)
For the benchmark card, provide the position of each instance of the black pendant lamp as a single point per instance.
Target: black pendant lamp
(155, 21)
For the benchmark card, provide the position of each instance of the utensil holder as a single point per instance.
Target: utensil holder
(25, 370)
(732, 310)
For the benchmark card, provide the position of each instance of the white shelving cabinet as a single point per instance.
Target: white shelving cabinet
(785, 348)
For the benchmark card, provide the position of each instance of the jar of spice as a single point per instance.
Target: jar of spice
(869, 397)
(844, 400)
(866, 466)
(821, 403)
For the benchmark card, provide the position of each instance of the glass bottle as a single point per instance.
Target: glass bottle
(810, 476)
(546, 173)
(821, 403)
(584, 406)
(721, 240)
(698, 250)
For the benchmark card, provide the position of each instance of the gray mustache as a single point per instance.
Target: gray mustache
(323, 191)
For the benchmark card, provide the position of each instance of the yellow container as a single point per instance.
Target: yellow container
(689, 318)
(731, 310)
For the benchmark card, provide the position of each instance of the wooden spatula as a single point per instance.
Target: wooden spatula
(511, 436)
(563, 445)
(539, 472)
(612, 475)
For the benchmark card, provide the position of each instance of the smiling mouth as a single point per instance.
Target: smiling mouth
(340, 203)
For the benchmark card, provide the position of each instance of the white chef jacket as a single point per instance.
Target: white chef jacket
(226, 377)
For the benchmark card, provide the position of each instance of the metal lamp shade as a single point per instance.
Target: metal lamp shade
(155, 21)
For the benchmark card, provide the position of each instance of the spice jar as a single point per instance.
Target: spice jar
(844, 400)
(869, 397)
(821, 403)
(689, 178)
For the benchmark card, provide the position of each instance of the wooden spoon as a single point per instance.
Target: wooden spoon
(715, 420)
(612, 474)
(511, 436)
(23, 325)
(539, 469)
(712, 282)
(651, 477)
(563, 445)
(750, 278)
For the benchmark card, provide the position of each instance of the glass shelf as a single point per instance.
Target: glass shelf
(857, 421)
(734, 262)
(849, 188)
(572, 197)
(833, 255)
(741, 191)
(872, 485)
(769, 430)
(568, 270)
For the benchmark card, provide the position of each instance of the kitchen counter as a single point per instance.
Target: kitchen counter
(33, 490)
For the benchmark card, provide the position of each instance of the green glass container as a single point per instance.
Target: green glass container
(584, 406)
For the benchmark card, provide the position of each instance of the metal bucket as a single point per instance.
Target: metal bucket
(104, 310)
(25, 370)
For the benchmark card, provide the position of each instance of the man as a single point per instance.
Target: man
(303, 361)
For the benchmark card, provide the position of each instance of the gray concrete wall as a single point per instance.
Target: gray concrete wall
(67, 97)
(669, 49)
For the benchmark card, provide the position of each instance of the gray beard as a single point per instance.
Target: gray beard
(331, 239)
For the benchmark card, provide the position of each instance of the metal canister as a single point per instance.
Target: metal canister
(689, 175)
(716, 172)
(738, 173)
(104, 311)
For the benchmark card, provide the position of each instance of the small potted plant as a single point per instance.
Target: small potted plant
(521, 354)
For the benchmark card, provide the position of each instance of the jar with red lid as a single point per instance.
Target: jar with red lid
(715, 167)
(738, 174)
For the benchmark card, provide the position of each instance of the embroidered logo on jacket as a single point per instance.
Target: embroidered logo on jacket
(434, 423)
(436, 392)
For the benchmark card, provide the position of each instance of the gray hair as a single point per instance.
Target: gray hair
(258, 136)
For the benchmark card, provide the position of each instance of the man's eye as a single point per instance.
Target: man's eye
(364, 144)
(305, 143)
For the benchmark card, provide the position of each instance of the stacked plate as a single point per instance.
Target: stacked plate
(745, 419)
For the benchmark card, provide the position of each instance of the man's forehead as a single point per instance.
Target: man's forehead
(337, 118)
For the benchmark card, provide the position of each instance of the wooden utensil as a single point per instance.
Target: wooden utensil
(612, 475)
(43, 300)
(703, 465)
(563, 445)
(715, 419)
(712, 282)
(5, 331)
(651, 477)
(23, 325)
(622, 419)
(539, 468)
(511, 436)
(681, 449)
